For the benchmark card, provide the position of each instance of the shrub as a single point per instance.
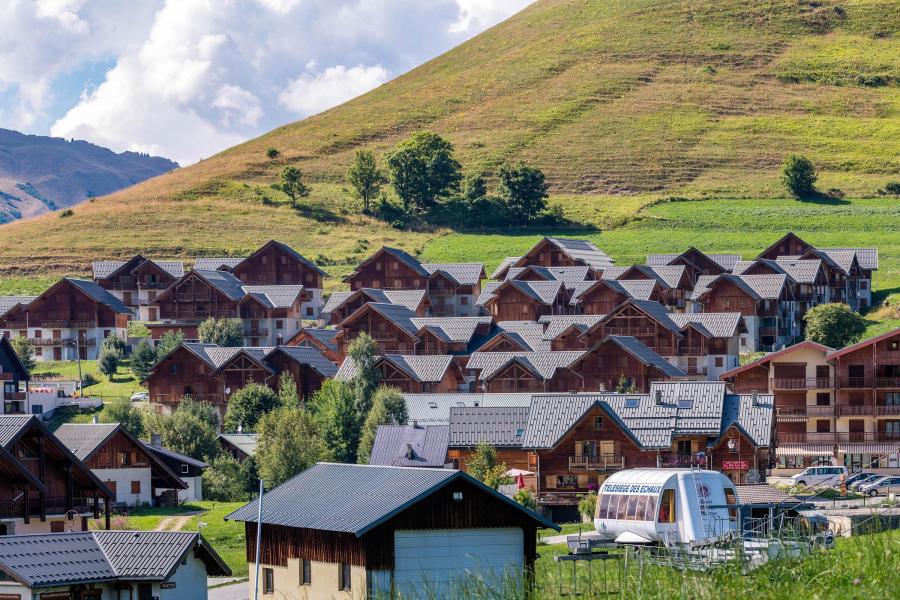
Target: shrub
(272, 153)
(108, 363)
(66, 213)
(834, 325)
(247, 405)
(123, 412)
(114, 343)
(799, 176)
(222, 332)
(526, 499)
(587, 505)
(891, 188)
(142, 360)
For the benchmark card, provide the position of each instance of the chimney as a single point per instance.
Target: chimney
(410, 454)
(754, 398)
(155, 440)
(657, 396)
(415, 425)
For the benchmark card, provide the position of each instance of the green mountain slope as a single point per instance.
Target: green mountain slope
(622, 103)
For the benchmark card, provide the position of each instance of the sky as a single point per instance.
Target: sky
(185, 79)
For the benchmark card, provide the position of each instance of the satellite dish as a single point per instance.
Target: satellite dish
(228, 390)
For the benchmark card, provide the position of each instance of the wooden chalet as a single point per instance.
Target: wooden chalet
(137, 281)
(452, 335)
(199, 295)
(68, 321)
(13, 378)
(390, 325)
(604, 295)
(413, 374)
(43, 482)
(126, 466)
(810, 278)
(323, 340)
(514, 336)
(239, 445)
(623, 362)
(209, 373)
(645, 320)
(565, 332)
(517, 300)
(673, 281)
(525, 371)
(696, 263)
(320, 539)
(766, 302)
(557, 252)
(501, 427)
(341, 305)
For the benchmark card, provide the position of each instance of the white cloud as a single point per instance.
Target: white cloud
(309, 94)
(193, 77)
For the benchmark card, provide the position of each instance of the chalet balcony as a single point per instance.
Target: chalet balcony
(790, 413)
(887, 382)
(83, 342)
(14, 408)
(681, 460)
(54, 506)
(887, 410)
(853, 410)
(820, 410)
(6, 376)
(606, 462)
(692, 351)
(801, 383)
(815, 437)
(46, 324)
(696, 370)
(384, 336)
(632, 331)
(854, 382)
(200, 315)
(16, 325)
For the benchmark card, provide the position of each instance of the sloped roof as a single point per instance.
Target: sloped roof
(462, 273)
(497, 426)
(777, 354)
(102, 269)
(525, 334)
(758, 287)
(726, 261)
(584, 251)
(245, 442)
(217, 356)
(844, 258)
(551, 417)
(762, 493)
(356, 498)
(224, 281)
(54, 559)
(7, 303)
(274, 296)
(216, 263)
(505, 264)
(867, 257)
(545, 292)
(452, 329)
(84, 438)
(570, 276)
(99, 295)
(487, 292)
(644, 354)
(801, 271)
(324, 336)
(428, 444)
(169, 453)
(11, 425)
(719, 325)
(667, 275)
(291, 252)
(864, 343)
(431, 408)
(556, 324)
(424, 368)
(755, 420)
(542, 364)
(304, 355)
(702, 286)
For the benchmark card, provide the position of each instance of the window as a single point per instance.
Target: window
(719, 361)
(37, 334)
(892, 398)
(685, 403)
(567, 481)
(37, 409)
(344, 577)
(823, 399)
(185, 469)
(632, 402)
(463, 300)
(309, 311)
(135, 487)
(598, 423)
(667, 507)
(894, 345)
(268, 581)
(305, 572)
(280, 324)
(823, 426)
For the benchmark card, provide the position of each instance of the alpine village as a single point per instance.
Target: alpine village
(603, 302)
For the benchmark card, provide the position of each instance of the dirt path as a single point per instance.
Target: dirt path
(175, 523)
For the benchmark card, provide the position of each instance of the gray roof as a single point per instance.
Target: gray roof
(583, 250)
(639, 289)
(407, 258)
(528, 335)
(719, 325)
(801, 271)
(290, 251)
(726, 261)
(225, 282)
(304, 355)
(651, 308)
(506, 263)
(355, 498)
(245, 442)
(452, 329)
(843, 258)
(644, 354)
(758, 287)
(102, 269)
(399, 315)
(216, 263)
(274, 296)
(411, 299)
(428, 444)
(762, 493)
(461, 273)
(326, 337)
(53, 559)
(11, 425)
(543, 364)
(550, 417)
(570, 276)
(498, 426)
(702, 286)
(423, 368)
(99, 295)
(7, 303)
(83, 438)
(667, 275)
(169, 453)
(545, 292)
(867, 257)
(487, 292)
(556, 324)
(216, 356)
(755, 420)
(435, 408)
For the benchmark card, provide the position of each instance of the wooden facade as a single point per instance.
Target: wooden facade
(192, 298)
(601, 298)
(392, 376)
(388, 335)
(276, 264)
(629, 320)
(516, 377)
(138, 273)
(606, 365)
(512, 304)
(384, 270)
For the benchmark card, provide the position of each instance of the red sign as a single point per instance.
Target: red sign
(735, 465)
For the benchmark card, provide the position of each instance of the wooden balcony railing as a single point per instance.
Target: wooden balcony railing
(854, 382)
(257, 332)
(63, 324)
(384, 336)
(820, 410)
(6, 376)
(15, 325)
(887, 382)
(633, 331)
(604, 462)
(850, 410)
(887, 409)
(787, 412)
(801, 383)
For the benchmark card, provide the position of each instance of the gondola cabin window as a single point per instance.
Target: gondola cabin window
(667, 507)
(627, 507)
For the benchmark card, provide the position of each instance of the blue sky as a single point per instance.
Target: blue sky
(187, 78)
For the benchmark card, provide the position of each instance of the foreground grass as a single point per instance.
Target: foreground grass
(118, 387)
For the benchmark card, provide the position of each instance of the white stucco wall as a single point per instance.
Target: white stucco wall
(194, 491)
(123, 479)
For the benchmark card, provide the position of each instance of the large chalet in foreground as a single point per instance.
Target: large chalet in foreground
(841, 405)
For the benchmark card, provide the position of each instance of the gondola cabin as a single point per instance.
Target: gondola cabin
(665, 506)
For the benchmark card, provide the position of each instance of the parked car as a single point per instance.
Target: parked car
(856, 477)
(882, 485)
(821, 475)
(872, 477)
(140, 397)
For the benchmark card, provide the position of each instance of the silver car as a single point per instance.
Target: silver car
(855, 485)
(882, 486)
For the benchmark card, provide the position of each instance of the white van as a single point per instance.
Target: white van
(819, 475)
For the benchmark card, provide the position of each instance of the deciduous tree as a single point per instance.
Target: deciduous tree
(25, 352)
(247, 405)
(336, 412)
(223, 332)
(834, 325)
(365, 177)
(423, 170)
(524, 192)
(142, 359)
(291, 184)
(289, 443)
(388, 408)
(482, 465)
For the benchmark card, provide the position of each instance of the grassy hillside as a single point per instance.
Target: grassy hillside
(623, 103)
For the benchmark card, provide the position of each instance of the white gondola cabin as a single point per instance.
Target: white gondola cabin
(666, 506)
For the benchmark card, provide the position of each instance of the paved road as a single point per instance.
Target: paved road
(235, 591)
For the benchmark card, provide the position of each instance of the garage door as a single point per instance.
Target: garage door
(430, 563)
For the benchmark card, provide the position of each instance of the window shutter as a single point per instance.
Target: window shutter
(551, 482)
(578, 449)
(582, 481)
